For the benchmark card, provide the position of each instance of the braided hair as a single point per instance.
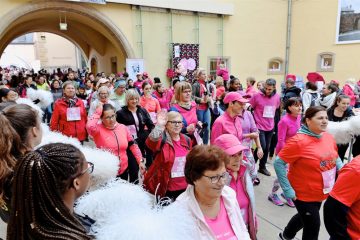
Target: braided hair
(41, 178)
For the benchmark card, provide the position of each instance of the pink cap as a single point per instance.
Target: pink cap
(234, 96)
(229, 143)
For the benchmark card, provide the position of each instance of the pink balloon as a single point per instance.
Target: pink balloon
(184, 63)
(191, 64)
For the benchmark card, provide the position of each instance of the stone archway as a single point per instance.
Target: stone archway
(90, 28)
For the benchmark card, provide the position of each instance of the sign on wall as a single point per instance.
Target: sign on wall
(134, 66)
(185, 60)
(348, 21)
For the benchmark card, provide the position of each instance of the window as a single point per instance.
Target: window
(213, 63)
(275, 66)
(325, 62)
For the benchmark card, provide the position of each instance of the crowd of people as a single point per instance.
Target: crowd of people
(196, 143)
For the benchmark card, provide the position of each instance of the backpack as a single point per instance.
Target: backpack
(314, 97)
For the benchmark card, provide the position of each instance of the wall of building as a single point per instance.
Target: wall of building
(55, 51)
(313, 32)
(253, 35)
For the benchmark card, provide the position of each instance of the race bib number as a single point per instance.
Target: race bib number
(177, 169)
(132, 130)
(269, 112)
(153, 117)
(73, 114)
(198, 138)
(328, 180)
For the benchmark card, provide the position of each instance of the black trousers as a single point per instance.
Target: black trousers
(307, 218)
(342, 150)
(356, 147)
(265, 141)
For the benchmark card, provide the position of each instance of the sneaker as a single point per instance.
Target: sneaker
(264, 171)
(281, 237)
(289, 201)
(274, 198)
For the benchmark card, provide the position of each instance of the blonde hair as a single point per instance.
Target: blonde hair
(130, 94)
(173, 114)
(198, 72)
(180, 87)
(219, 81)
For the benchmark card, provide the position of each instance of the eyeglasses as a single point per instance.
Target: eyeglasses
(110, 117)
(89, 170)
(216, 179)
(175, 122)
(187, 91)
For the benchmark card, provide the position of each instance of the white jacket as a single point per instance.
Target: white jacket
(307, 97)
(188, 201)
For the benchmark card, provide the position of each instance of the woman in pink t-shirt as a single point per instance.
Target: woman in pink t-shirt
(165, 176)
(288, 127)
(240, 181)
(212, 204)
(148, 102)
(187, 108)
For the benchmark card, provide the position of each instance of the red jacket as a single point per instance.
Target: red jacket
(59, 123)
(160, 170)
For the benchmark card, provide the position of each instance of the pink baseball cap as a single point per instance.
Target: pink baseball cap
(234, 96)
(229, 143)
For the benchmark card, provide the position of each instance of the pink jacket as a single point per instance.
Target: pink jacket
(164, 100)
(287, 127)
(115, 140)
(226, 124)
(223, 72)
(348, 90)
(150, 104)
(251, 91)
(264, 110)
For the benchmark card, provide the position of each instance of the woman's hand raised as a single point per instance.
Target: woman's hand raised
(162, 118)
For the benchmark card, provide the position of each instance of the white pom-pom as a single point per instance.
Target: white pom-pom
(130, 214)
(45, 97)
(31, 104)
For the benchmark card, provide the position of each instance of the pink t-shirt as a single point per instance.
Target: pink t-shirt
(241, 194)
(188, 114)
(220, 225)
(177, 180)
(202, 106)
(264, 110)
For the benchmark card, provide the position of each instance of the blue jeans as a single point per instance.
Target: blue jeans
(204, 116)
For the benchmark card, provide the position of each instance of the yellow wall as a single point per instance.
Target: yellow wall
(314, 31)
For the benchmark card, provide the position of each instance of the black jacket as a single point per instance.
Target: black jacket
(291, 92)
(124, 116)
(347, 114)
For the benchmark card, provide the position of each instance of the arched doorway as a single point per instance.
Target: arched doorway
(93, 65)
(92, 31)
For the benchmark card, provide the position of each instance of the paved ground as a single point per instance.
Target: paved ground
(272, 219)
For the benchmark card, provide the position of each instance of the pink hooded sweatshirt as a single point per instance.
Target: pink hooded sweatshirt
(114, 140)
(226, 124)
(349, 91)
(264, 110)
